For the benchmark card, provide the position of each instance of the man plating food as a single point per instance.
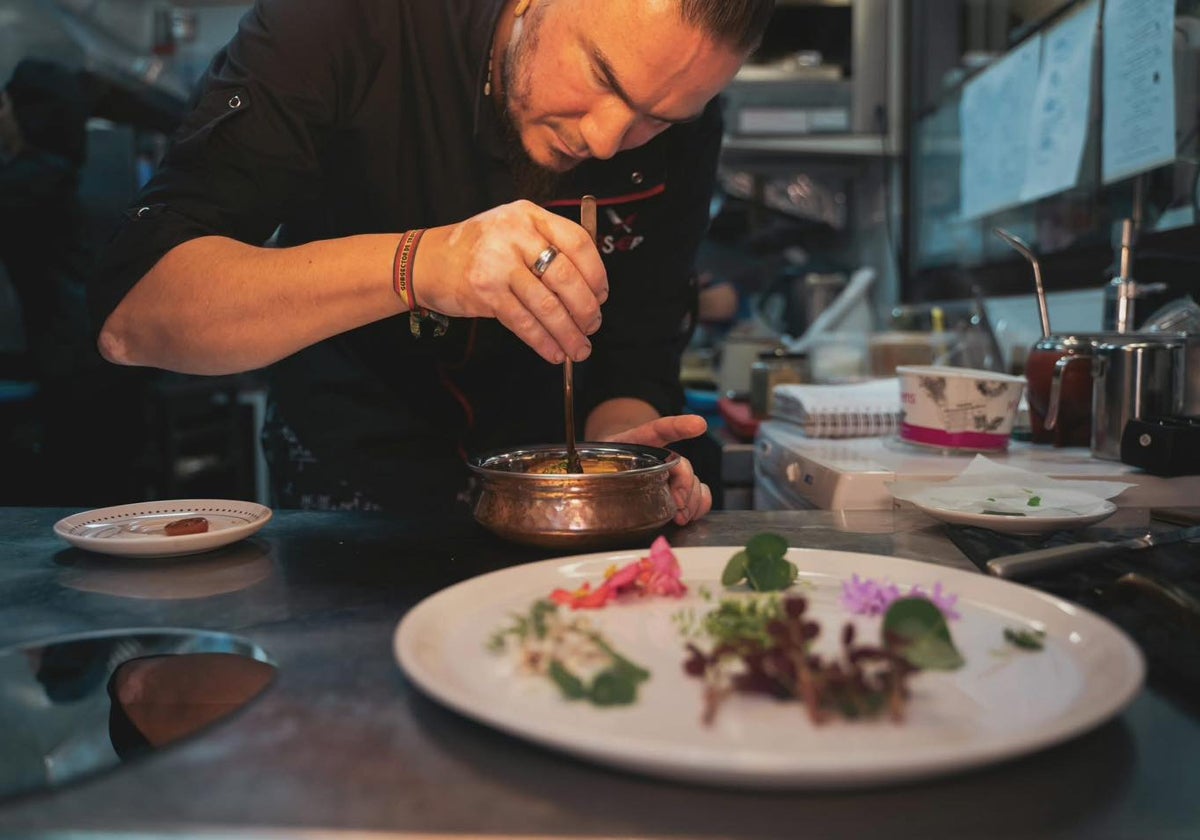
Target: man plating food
(376, 200)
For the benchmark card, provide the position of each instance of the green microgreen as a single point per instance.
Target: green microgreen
(749, 618)
(1025, 639)
(916, 629)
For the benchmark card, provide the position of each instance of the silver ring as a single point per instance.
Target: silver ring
(544, 259)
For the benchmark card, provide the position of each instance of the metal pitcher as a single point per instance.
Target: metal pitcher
(1134, 380)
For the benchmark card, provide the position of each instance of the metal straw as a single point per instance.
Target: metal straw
(1019, 244)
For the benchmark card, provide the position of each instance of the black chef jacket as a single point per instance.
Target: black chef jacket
(327, 118)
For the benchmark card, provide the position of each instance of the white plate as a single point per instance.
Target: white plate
(1059, 508)
(1004, 703)
(137, 530)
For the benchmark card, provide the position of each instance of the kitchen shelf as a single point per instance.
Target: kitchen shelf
(736, 148)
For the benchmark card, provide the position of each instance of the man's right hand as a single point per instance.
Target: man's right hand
(482, 268)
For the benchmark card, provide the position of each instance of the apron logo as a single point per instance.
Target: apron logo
(622, 238)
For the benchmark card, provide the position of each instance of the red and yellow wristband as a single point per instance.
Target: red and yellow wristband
(402, 285)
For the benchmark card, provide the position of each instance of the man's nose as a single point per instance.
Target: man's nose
(604, 127)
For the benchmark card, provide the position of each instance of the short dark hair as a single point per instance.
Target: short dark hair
(739, 23)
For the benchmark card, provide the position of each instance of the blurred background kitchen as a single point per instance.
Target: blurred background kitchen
(872, 148)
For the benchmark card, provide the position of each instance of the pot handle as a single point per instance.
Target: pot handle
(1060, 368)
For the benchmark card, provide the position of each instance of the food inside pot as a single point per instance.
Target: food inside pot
(591, 466)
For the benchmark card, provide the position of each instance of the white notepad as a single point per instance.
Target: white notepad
(858, 409)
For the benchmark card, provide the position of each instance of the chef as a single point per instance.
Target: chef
(377, 201)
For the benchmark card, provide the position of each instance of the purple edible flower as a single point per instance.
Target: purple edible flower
(863, 596)
(941, 599)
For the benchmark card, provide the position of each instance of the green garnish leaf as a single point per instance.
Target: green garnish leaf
(735, 569)
(617, 684)
(570, 685)
(767, 545)
(915, 629)
(762, 564)
(1034, 501)
(770, 574)
(1025, 639)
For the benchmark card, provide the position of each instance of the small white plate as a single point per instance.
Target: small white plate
(137, 530)
(1006, 508)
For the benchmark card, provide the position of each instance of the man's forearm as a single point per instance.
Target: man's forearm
(217, 306)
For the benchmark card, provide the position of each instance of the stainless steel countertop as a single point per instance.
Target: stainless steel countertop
(341, 743)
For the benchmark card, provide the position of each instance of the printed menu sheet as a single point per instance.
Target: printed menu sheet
(995, 123)
(1061, 104)
(1139, 87)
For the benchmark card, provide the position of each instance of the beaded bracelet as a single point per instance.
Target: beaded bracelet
(402, 284)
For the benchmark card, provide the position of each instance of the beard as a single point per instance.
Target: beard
(531, 180)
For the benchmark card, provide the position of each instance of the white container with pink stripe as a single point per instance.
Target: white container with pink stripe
(958, 408)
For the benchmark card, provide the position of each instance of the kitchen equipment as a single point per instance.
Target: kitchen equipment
(1059, 372)
(793, 471)
(575, 511)
(1163, 445)
(820, 291)
(958, 408)
(889, 350)
(1179, 315)
(840, 314)
(777, 367)
(738, 354)
(1024, 249)
(1123, 290)
(1043, 561)
(1133, 380)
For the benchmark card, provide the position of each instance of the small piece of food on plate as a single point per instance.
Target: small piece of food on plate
(190, 525)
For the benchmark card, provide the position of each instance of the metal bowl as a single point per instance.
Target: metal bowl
(573, 511)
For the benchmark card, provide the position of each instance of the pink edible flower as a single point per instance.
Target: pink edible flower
(658, 574)
(863, 596)
(662, 577)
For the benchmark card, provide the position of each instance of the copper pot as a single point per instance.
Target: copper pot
(575, 511)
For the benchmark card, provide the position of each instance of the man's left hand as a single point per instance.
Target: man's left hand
(693, 498)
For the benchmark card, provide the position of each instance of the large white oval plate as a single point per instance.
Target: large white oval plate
(137, 530)
(1004, 703)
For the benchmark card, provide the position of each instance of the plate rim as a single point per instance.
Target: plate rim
(154, 546)
(607, 750)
